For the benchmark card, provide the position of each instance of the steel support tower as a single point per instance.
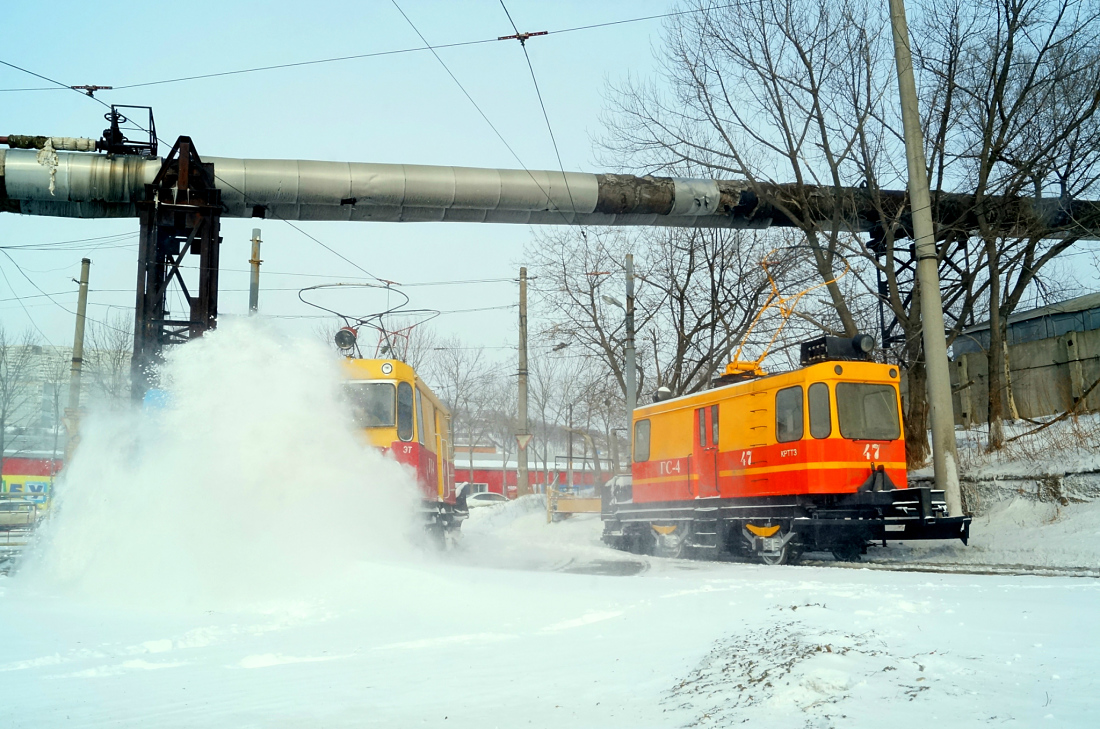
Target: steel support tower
(180, 215)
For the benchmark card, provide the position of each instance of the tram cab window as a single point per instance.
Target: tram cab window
(419, 418)
(404, 411)
(372, 403)
(428, 424)
(821, 424)
(867, 412)
(788, 414)
(641, 441)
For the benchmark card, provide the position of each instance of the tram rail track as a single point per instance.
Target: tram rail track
(961, 568)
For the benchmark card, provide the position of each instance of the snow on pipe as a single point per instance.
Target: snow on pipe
(72, 144)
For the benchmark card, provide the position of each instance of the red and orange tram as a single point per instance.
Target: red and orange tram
(401, 415)
(768, 466)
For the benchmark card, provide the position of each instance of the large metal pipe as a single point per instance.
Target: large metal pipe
(83, 185)
(98, 186)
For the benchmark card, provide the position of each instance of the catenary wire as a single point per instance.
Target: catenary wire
(542, 104)
(337, 59)
(54, 81)
(291, 224)
(479, 110)
(24, 307)
(48, 296)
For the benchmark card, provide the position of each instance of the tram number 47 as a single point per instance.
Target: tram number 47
(746, 458)
(870, 451)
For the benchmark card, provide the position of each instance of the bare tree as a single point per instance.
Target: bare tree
(107, 360)
(549, 383)
(500, 417)
(756, 88)
(789, 91)
(55, 370)
(1018, 89)
(464, 378)
(16, 368)
(802, 91)
(697, 293)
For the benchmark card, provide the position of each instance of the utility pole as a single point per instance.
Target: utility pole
(523, 437)
(78, 337)
(569, 459)
(72, 412)
(631, 370)
(944, 454)
(254, 284)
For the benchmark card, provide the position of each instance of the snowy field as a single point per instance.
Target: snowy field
(271, 583)
(511, 630)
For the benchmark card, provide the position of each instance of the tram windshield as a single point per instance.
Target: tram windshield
(372, 403)
(867, 412)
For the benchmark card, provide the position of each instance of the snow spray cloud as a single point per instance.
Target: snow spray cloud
(250, 484)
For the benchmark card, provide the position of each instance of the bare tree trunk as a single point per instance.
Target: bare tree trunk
(824, 263)
(995, 356)
(1010, 399)
(916, 415)
(470, 453)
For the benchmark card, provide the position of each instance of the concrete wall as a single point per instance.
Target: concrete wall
(1047, 377)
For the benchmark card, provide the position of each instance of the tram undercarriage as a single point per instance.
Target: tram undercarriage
(778, 529)
(443, 521)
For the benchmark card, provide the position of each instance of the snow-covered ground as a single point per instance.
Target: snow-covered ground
(1036, 501)
(1015, 532)
(269, 582)
(513, 629)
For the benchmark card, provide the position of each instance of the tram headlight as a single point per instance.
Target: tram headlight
(863, 343)
(345, 338)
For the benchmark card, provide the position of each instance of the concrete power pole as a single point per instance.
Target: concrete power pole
(78, 337)
(631, 369)
(569, 462)
(72, 412)
(254, 284)
(523, 437)
(944, 454)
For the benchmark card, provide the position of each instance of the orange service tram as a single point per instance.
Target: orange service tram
(767, 467)
(401, 415)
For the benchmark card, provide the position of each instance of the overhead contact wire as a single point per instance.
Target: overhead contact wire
(492, 126)
(542, 104)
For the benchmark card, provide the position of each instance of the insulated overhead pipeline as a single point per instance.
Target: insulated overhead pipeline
(100, 186)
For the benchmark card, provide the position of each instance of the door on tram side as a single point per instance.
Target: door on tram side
(705, 452)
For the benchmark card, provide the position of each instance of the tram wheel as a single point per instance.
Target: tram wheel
(771, 545)
(773, 559)
(847, 551)
(437, 537)
(670, 543)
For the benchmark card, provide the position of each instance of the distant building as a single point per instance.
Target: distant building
(490, 474)
(33, 426)
(30, 478)
(1080, 314)
(34, 432)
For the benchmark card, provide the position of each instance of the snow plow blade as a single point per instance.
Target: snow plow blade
(822, 522)
(895, 514)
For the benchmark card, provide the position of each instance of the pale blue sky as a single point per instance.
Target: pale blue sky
(398, 108)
